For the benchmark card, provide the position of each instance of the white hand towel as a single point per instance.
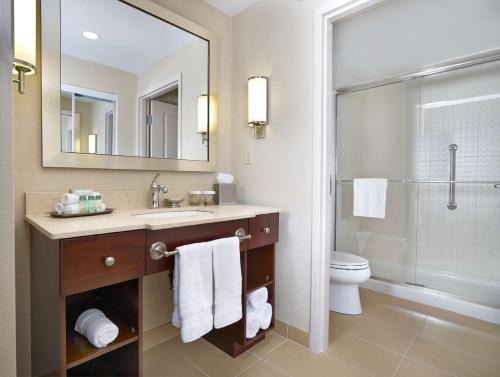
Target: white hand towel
(71, 209)
(96, 327)
(258, 298)
(193, 291)
(266, 316)
(69, 199)
(252, 322)
(227, 281)
(369, 197)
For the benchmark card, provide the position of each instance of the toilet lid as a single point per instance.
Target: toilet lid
(347, 260)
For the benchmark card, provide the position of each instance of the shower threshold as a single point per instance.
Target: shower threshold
(435, 298)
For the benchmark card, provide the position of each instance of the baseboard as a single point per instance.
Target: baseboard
(291, 332)
(158, 335)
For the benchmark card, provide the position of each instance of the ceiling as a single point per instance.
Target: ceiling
(129, 39)
(231, 7)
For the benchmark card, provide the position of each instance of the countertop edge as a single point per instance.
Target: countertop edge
(34, 220)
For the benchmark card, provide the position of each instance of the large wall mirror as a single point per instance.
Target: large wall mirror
(133, 85)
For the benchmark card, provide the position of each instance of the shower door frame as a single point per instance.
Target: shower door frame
(323, 159)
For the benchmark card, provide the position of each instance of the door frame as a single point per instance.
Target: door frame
(323, 169)
(142, 111)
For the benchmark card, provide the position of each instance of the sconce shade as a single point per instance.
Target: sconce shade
(25, 32)
(257, 100)
(203, 114)
(92, 143)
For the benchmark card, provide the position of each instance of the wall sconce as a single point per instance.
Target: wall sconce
(24, 41)
(203, 118)
(257, 105)
(92, 143)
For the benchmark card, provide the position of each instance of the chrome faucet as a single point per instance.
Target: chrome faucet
(155, 191)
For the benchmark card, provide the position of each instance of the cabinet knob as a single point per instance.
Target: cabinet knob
(109, 261)
(266, 230)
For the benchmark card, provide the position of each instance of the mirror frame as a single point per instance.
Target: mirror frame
(51, 100)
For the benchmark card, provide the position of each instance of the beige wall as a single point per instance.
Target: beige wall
(30, 176)
(275, 38)
(7, 255)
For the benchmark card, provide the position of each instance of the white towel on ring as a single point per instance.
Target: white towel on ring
(227, 281)
(193, 291)
(258, 298)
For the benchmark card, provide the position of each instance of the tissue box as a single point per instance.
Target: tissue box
(225, 193)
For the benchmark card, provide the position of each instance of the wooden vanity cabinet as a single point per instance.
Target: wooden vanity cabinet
(71, 275)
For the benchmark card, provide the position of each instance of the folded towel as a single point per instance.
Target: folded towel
(224, 178)
(369, 197)
(71, 209)
(69, 199)
(96, 327)
(258, 298)
(193, 291)
(227, 281)
(252, 322)
(266, 316)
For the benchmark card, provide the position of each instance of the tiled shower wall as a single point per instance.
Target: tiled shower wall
(461, 107)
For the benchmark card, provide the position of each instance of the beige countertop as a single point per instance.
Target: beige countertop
(124, 220)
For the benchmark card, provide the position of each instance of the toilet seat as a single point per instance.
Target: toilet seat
(347, 261)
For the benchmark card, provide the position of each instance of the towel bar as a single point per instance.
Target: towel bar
(159, 250)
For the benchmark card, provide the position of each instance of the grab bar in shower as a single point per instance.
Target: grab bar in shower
(452, 204)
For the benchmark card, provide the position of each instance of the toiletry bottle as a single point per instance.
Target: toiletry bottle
(84, 207)
(98, 202)
(91, 201)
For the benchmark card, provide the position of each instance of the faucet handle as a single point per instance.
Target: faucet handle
(162, 188)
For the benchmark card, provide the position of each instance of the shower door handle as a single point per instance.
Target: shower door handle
(452, 205)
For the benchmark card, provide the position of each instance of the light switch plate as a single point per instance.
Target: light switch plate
(248, 158)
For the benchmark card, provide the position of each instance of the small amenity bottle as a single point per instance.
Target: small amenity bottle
(91, 202)
(84, 206)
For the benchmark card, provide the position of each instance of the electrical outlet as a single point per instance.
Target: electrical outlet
(248, 156)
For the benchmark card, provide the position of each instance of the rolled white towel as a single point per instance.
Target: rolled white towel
(67, 199)
(101, 331)
(266, 316)
(71, 209)
(96, 327)
(59, 208)
(101, 207)
(252, 322)
(258, 298)
(84, 318)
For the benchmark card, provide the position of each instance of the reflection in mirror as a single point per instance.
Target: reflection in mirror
(131, 83)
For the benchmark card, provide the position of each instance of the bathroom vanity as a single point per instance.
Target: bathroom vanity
(100, 262)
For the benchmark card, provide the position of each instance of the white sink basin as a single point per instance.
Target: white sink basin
(171, 214)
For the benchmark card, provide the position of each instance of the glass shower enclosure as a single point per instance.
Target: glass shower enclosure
(436, 138)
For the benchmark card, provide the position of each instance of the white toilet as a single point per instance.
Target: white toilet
(347, 271)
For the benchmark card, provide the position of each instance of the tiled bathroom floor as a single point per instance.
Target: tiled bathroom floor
(392, 337)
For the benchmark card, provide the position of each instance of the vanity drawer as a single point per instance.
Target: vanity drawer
(83, 260)
(264, 230)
